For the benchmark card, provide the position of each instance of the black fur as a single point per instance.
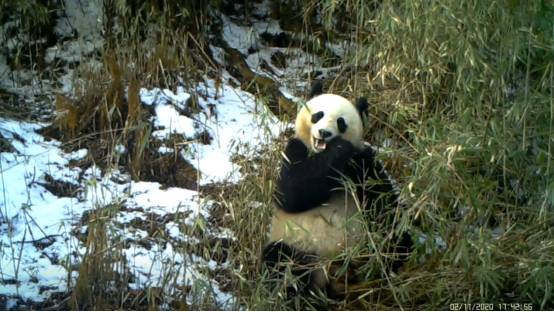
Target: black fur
(317, 89)
(278, 256)
(362, 105)
(325, 133)
(341, 124)
(306, 182)
(374, 187)
(317, 117)
(402, 248)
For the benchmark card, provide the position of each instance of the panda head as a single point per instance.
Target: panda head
(327, 116)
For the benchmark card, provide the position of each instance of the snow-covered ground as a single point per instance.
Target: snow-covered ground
(42, 228)
(237, 119)
(36, 237)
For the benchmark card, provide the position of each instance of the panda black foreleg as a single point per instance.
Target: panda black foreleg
(279, 257)
(402, 248)
(307, 181)
(295, 151)
(379, 194)
(373, 184)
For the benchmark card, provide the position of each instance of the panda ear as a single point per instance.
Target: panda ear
(317, 89)
(362, 105)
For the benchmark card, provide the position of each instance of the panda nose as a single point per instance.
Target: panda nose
(324, 133)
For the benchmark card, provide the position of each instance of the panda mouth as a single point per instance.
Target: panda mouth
(319, 144)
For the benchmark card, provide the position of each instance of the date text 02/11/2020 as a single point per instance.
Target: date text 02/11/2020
(491, 306)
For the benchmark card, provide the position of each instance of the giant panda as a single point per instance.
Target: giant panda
(317, 215)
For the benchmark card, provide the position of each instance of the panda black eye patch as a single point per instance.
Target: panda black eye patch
(341, 124)
(317, 117)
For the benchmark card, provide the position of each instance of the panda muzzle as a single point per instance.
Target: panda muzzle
(319, 144)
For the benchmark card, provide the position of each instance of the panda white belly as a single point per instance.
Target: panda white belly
(325, 230)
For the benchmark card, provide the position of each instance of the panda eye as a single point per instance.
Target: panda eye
(341, 124)
(317, 117)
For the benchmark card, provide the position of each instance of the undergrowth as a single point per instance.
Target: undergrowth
(481, 141)
(462, 108)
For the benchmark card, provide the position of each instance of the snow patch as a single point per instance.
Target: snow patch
(36, 226)
(231, 117)
(169, 119)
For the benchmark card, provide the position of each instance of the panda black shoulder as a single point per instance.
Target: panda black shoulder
(316, 89)
(307, 182)
(366, 167)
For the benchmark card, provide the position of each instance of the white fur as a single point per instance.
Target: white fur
(333, 106)
(337, 224)
(334, 226)
(326, 230)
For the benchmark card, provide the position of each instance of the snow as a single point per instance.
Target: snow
(83, 18)
(164, 97)
(163, 150)
(238, 37)
(236, 118)
(169, 119)
(22, 173)
(239, 119)
(246, 39)
(78, 154)
(120, 149)
(149, 196)
(30, 213)
(39, 225)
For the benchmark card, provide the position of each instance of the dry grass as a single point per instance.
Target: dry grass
(462, 107)
(465, 105)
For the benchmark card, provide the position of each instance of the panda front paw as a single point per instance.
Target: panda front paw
(295, 151)
(368, 153)
(340, 150)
